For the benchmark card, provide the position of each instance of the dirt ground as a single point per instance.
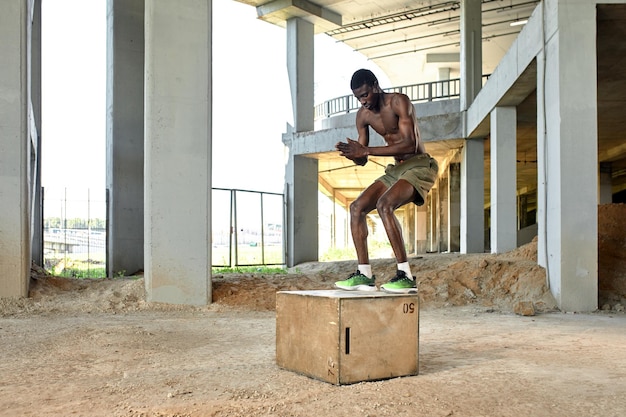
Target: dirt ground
(492, 343)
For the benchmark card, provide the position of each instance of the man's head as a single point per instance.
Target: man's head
(365, 88)
(362, 77)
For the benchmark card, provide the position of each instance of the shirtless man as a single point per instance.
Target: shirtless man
(391, 115)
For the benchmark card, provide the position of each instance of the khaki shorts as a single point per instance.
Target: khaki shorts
(420, 171)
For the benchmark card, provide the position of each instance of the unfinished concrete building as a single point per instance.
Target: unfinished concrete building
(525, 120)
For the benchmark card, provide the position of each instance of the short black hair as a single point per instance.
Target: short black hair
(361, 77)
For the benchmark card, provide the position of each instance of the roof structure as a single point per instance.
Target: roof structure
(412, 40)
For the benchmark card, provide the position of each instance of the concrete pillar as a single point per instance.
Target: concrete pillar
(421, 220)
(35, 116)
(471, 51)
(454, 207)
(301, 172)
(443, 213)
(541, 213)
(16, 148)
(472, 197)
(605, 192)
(125, 117)
(177, 199)
(472, 170)
(567, 156)
(443, 74)
(433, 220)
(408, 228)
(301, 192)
(522, 212)
(503, 179)
(300, 59)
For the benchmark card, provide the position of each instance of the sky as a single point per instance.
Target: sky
(74, 93)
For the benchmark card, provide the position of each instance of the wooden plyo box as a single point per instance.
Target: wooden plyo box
(345, 337)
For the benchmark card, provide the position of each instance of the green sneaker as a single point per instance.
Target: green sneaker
(357, 282)
(400, 284)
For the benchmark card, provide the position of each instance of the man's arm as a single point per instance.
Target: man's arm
(364, 137)
(407, 123)
(347, 149)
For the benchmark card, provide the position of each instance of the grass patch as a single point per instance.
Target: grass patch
(249, 269)
(81, 273)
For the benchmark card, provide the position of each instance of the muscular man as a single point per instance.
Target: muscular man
(391, 115)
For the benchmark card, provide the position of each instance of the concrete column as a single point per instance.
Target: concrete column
(542, 198)
(472, 197)
(35, 117)
(443, 213)
(503, 179)
(178, 151)
(421, 220)
(301, 172)
(408, 229)
(568, 155)
(472, 170)
(125, 138)
(300, 59)
(15, 150)
(454, 207)
(433, 220)
(443, 74)
(605, 192)
(471, 51)
(301, 190)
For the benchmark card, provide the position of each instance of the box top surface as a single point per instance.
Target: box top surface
(346, 294)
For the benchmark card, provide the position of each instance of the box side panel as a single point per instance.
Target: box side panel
(307, 335)
(378, 338)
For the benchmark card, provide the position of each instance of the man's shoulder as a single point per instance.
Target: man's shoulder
(394, 97)
(363, 114)
(399, 104)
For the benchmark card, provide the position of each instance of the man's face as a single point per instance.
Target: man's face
(366, 95)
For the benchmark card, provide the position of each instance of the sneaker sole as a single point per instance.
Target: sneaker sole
(358, 288)
(400, 290)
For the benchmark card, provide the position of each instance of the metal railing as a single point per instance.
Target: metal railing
(424, 92)
(417, 93)
(247, 228)
(74, 232)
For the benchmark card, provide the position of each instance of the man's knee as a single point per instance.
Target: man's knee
(359, 208)
(384, 207)
(355, 208)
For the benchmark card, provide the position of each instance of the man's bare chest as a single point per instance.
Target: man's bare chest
(384, 123)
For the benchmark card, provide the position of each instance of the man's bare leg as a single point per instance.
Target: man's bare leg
(399, 194)
(359, 209)
(363, 279)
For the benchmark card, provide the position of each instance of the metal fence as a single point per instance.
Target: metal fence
(247, 230)
(436, 90)
(74, 232)
(417, 93)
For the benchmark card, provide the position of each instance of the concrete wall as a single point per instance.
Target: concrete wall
(438, 121)
(15, 150)
(558, 43)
